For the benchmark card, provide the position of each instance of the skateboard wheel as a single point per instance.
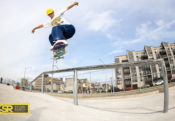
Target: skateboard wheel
(54, 53)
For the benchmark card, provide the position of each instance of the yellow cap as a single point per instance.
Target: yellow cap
(49, 11)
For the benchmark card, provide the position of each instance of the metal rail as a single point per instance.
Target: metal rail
(107, 66)
(113, 66)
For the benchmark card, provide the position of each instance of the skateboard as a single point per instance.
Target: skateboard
(59, 51)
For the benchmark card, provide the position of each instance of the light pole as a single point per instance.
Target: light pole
(105, 74)
(25, 70)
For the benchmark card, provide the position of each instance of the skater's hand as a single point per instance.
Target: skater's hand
(38, 27)
(76, 3)
(72, 5)
(33, 31)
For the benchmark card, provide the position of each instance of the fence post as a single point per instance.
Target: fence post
(42, 83)
(166, 93)
(75, 88)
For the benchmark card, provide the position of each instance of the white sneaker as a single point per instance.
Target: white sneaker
(63, 41)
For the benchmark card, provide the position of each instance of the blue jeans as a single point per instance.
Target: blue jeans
(61, 32)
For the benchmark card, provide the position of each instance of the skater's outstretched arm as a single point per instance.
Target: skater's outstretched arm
(41, 26)
(69, 7)
(72, 5)
(38, 27)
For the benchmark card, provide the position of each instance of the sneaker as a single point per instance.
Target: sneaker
(63, 41)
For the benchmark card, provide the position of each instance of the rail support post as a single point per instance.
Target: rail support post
(52, 76)
(166, 93)
(42, 83)
(75, 88)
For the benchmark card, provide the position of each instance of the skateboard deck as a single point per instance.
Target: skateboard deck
(59, 50)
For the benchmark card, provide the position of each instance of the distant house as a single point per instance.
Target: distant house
(69, 85)
(106, 87)
(56, 87)
(57, 83)
(82, 85)
(24, 82)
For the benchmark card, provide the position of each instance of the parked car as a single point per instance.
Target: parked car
(115, 89)
(158, 81)
(146, 86)
(128, 89)
(172, 80)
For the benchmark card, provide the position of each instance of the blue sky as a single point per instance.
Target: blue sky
(104, 29)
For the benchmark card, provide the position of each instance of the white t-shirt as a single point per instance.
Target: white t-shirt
(57, 20)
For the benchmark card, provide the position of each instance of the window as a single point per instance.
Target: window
(117, 60)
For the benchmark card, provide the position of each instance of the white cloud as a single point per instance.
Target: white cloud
(148, 32)
(101, 21)
(116, 51)
(111, 36)
(160, 23)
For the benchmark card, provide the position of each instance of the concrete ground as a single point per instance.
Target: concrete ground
(146, 107)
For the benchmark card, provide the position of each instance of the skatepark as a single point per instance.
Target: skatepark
(87, 60)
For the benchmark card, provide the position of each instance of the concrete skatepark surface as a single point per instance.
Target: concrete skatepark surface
(44, 107)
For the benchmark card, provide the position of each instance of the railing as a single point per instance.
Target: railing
(111, 66)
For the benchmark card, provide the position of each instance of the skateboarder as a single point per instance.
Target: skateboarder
(61, 29)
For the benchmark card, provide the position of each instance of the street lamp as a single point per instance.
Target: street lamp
(25, 70)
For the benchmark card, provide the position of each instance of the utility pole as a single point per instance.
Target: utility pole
(105, 75)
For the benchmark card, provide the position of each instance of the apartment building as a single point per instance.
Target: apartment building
(138, 76)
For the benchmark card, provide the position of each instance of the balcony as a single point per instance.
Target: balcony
(162, 52)
(124, 60)
(158, 56)
(144, 57)
(145, 69)
(166, 62)
(164, 56)
(165, 59)
(127, 77)
(127, 82)
(168, 69)
(167, 65)
(118, 73)
(126, 71)
(125, 68)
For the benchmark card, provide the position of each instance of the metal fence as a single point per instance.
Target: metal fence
(78, 72)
